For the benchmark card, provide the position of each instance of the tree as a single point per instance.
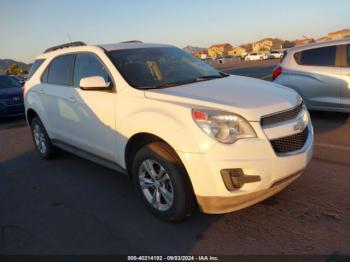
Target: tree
(15, 70)
(263, 49)
(287, 44)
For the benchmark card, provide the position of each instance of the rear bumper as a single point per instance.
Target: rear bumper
(220, 205)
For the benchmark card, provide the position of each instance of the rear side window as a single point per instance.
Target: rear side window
(89, 65)
(60, 70)
(323, 56)
(37, 63)
(348, 55)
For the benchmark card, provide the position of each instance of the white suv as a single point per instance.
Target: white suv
(186, 133)
(255, 57)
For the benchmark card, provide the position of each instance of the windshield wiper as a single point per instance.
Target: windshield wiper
(183, 82)
(166, 85)
(208, 77)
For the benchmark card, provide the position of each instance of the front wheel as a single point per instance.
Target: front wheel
(162, 182)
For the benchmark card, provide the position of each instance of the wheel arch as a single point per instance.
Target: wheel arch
(30, 115)
(136, 142)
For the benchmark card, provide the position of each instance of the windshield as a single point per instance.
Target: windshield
(8, 82)
(160, 67)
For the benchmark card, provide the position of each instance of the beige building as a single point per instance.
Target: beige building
(202, 54)
(267, 44)
(237, 51)
(339, 34)
(219, 50)
(304, 41)
(322, 39)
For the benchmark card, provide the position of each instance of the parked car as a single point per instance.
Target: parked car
(186, 133)
(208, 60)
(20, 80)
(11, 98)
(275, 55)
(255, 57)
(223, 59)
(320, 73)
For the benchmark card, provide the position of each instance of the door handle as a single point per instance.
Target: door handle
(72, 99)
(41, 90)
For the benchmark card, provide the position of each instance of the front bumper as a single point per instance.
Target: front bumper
(218, 205)
(14, 110)
(255, 157)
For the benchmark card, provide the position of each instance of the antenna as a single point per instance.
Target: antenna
(69, 38)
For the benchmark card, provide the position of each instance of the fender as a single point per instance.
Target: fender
(173, 124)
(34, 101)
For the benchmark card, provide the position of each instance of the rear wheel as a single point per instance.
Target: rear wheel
(162, 182)
(41, 139)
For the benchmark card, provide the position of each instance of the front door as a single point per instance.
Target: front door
(94, 131)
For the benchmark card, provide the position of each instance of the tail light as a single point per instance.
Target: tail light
(23, 89)
(277, 72)
(199, 115)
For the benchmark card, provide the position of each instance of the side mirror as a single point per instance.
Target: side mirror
(94, 83)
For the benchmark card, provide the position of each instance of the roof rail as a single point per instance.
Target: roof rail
(132, 41)
(72, 44)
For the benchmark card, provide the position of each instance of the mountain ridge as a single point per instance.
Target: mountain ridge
(6, 63)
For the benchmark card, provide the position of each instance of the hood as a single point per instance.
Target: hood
(10, 92)
(248, 97)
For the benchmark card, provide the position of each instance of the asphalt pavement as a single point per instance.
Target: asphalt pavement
(72, 206)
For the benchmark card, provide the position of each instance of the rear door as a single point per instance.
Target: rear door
(345, 71)
(57, 84)
(317, 77)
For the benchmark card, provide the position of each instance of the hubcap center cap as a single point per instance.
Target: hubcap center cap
(157, 184)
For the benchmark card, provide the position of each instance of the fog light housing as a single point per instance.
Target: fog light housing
(235, 178)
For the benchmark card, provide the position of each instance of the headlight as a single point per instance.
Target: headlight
(223, 126)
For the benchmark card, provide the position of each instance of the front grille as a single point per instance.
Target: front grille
(12, 101)
(281, 117)
(290, 143)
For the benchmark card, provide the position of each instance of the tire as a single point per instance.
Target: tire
(162, 182)
(41, 139)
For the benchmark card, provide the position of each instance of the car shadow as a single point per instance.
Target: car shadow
(73, 206)
(326, 121)
(9, 122)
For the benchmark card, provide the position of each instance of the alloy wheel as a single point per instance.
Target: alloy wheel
(156, 185)
(39, 138)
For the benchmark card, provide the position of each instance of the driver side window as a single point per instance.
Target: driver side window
(87, 65)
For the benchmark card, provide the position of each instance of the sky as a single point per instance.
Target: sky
(28, 27)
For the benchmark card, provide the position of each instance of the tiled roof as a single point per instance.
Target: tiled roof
(220, 45)
(343, 31)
